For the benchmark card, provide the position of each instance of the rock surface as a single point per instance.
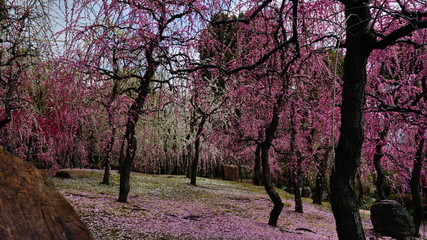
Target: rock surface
(230, 172)
(31, 208)
(389, 218)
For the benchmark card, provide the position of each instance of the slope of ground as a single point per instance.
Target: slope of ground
(168, 207)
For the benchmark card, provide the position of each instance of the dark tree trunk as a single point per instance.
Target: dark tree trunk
(379, 182)
(320, 178)
(195, 162)
(110, 144)
(8, 110)
(274, 196)
(106, 177)
(132, 121)
(416, 188)
(75, 157)
(297, 193)
(266, 175)
(347, 158)
(257, 179)
(129, 157)
(188, 151)
(187, 157)
(318, 191)
(296, 172)
(109, 157)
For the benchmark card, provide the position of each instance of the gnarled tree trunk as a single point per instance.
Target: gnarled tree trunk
(257, 178)
(133, 115)
(195, 162)
(129, 155)
(320, 177)
(415, 186)
(297, 193)
(347, 158)
(266, 175)
(379, 182)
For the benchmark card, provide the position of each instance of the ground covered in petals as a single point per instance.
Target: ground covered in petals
(168, 207)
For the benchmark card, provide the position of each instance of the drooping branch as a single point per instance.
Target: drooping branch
(394, 36)
(384, 107)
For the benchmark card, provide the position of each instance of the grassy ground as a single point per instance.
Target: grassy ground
(168, 207)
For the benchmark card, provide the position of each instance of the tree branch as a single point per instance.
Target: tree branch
(399, 33)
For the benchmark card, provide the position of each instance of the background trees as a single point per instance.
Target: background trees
(183, 86)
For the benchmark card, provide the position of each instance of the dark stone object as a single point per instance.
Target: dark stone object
(230, 172)
(30, 206)
(63, 174)
(389, 218)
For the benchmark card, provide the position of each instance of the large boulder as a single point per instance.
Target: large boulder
(230, 172)
(31, 208)
(389, 218)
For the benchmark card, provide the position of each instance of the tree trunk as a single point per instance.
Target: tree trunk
(296, 172)
(110, 144)
(379, 182)
(274, 196)
(318, 190)
(195, 162)
(8, 111)
(347, 158)
(416, 188)
(320, 178)
(257, 179)
(265, 147)
(133, 115)
(129, 157)
(76, 161)
(297, 193)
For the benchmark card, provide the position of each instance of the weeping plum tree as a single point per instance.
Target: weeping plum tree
(401, 94)
(419, 161)
(205, 104)
(19, 50)
(364, 33)
(271, 74)
(132, 41)
(148, 36)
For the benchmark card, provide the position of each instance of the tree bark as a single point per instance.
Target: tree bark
(296, 173)
(347, 158)
(379, 182)
(274, 196)
(320, 178)
(195, 162)
(257, 179)
(129, 155)
(297, 193)
(110, 144)
(133, 115)
(6, 119)
(416, 188)
(266, 175)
